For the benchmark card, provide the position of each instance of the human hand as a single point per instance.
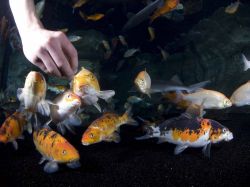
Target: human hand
(51, 51)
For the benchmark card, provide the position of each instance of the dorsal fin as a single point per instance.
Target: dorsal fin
(176, 79)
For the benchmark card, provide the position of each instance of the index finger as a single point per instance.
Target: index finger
(71, 53)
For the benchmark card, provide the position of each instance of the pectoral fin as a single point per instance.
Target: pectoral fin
(19, 94)
(15, 145)
(74, 120)
(206, 150)
(161, 140)
(51, 167)
(105, 95)
(43, 159)
(179, 149)
(115, 137)
(43, 108)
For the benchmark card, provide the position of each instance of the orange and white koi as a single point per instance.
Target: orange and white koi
(13, 128)
(86, 86)
(186, 131)
(143, 82)
(63, 111)
(32, 96)
(55, 149)
(106, 128)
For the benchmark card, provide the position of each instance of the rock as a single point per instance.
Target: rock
(213, 51)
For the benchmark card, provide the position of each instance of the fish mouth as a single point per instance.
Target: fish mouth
(229, 137)
(85, 143)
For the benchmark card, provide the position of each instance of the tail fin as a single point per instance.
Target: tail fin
(127, 117)
(246, 62)
(105, 95)
(197, 86)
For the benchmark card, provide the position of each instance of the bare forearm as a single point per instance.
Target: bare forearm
(25, 15)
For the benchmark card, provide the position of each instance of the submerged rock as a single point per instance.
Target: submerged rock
(213, 51)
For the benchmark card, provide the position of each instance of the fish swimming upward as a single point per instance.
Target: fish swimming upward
(55, 149)
(189, 131)
(13, 127)
(63, 111)
(32, 96)
(240, 96)
(143, 82)
(86, 86)
(106, 128)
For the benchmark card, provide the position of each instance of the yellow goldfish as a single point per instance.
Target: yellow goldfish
(13, 128)
(86, 86)
(168, 6)
(56, 149)
(32, 96)
(143, 82)
(94, 17)
(233, 7)
(80, 3)
(63, 111)
(105, 128)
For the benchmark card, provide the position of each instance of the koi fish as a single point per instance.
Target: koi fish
(142, 15)
(86, 86)
(143, 83)
(211, 99)
(94, 17)
(233, 7)
(189, 131)
(106, 128)
(32, 96)
(13, 127)
(55, 149)
(80, 3)
(169, 5)
(63, 111)
(240, 96)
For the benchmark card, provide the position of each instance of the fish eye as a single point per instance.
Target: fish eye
(224, 130)
(68, 96)
(64, 152)
(91, 135)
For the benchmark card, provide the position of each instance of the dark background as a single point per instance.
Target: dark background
(132, 163)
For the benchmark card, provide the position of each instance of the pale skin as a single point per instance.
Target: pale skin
(51, 51)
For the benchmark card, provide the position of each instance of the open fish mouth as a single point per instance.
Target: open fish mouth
(229, 137)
